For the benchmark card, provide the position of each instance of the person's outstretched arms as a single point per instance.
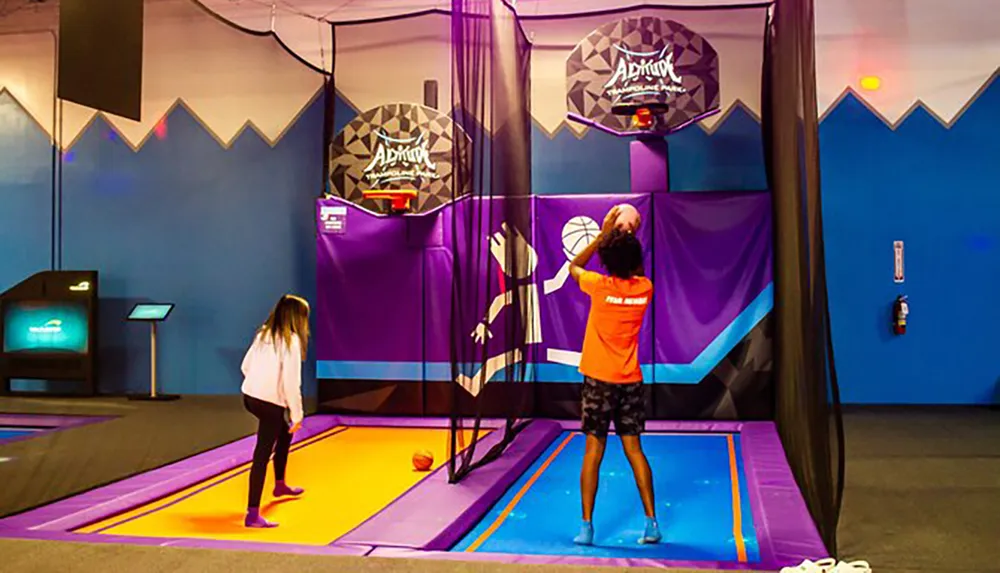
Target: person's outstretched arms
(578, 264)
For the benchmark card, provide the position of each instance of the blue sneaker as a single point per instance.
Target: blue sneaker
(652, 533)
(586, 535)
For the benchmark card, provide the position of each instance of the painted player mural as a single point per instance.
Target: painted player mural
(502, 242)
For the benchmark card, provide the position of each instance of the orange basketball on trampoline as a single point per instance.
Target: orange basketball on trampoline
(423, 460)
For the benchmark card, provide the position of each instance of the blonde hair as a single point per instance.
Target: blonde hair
(290, 317)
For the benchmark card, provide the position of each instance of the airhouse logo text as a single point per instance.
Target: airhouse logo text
(642, 74)
(50, 327)
(407, 159)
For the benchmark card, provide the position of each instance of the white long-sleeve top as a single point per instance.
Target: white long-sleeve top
(273, 373)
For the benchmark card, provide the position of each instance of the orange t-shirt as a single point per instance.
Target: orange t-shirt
(611, 344)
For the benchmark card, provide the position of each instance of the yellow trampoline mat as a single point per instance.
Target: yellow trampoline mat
(349, 474)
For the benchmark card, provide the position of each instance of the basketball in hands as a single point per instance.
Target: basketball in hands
(628, 218)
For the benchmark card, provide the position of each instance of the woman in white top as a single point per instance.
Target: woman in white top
(272, 385)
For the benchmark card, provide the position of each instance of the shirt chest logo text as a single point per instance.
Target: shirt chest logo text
(626, 301)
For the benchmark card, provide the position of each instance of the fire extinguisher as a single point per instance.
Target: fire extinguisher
(900, 310)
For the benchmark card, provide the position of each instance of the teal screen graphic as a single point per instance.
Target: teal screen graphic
(150, 311)
(46, 326)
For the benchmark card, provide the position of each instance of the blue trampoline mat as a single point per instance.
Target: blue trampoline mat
(693, 478)
(12, 432)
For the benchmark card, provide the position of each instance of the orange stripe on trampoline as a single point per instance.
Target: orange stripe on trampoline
(734, 478)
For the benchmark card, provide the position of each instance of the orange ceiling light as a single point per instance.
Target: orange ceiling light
(871, 83)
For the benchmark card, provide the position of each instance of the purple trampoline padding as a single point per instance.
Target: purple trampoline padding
(192, 543)
(564, 560)
(115, 498)
(434, 514)
(786, 532)
(103, 502)
(404, 422)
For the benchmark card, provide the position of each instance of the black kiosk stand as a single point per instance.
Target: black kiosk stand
(152, 313)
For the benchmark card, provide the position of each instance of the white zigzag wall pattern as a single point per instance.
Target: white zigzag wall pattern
(938, 53)
(919, 104)
(925, 54)
(229, 80)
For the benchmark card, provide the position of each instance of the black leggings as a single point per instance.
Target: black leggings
(272, 436)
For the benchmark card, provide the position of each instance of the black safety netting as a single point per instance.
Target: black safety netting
(807, 408)
(494, 308)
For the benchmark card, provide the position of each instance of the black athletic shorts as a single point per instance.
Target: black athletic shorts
(625, 404)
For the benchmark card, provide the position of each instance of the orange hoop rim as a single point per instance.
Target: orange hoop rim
(399, 198)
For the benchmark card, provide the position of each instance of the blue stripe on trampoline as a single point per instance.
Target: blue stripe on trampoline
(441, 371)
(396, 371)
(564, 373)
(692, 373)
(723, 344)
(438, 371)
(359, 370)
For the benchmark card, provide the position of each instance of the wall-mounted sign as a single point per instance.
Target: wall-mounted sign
(641, 61)
(396, 146)
(332, 219)
(897, 248)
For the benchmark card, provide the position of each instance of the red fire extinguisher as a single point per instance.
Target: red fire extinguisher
(900, 310)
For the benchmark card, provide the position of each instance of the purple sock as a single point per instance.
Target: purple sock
(282, 489)
(254, 520)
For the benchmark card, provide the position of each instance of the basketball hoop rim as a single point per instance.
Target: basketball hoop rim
(388, 193)
(398, 198)
(630, 110)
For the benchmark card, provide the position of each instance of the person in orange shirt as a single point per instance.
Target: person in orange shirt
(612, 383)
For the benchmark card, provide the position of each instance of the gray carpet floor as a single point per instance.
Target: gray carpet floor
(922, 495)
(923, 490)
(141, 436)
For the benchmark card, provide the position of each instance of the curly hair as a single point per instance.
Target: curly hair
(621, 254)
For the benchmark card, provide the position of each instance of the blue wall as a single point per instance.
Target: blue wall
(731, 158)
(25, 194)
(221, 232)
(938, 190)
(935, 188)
